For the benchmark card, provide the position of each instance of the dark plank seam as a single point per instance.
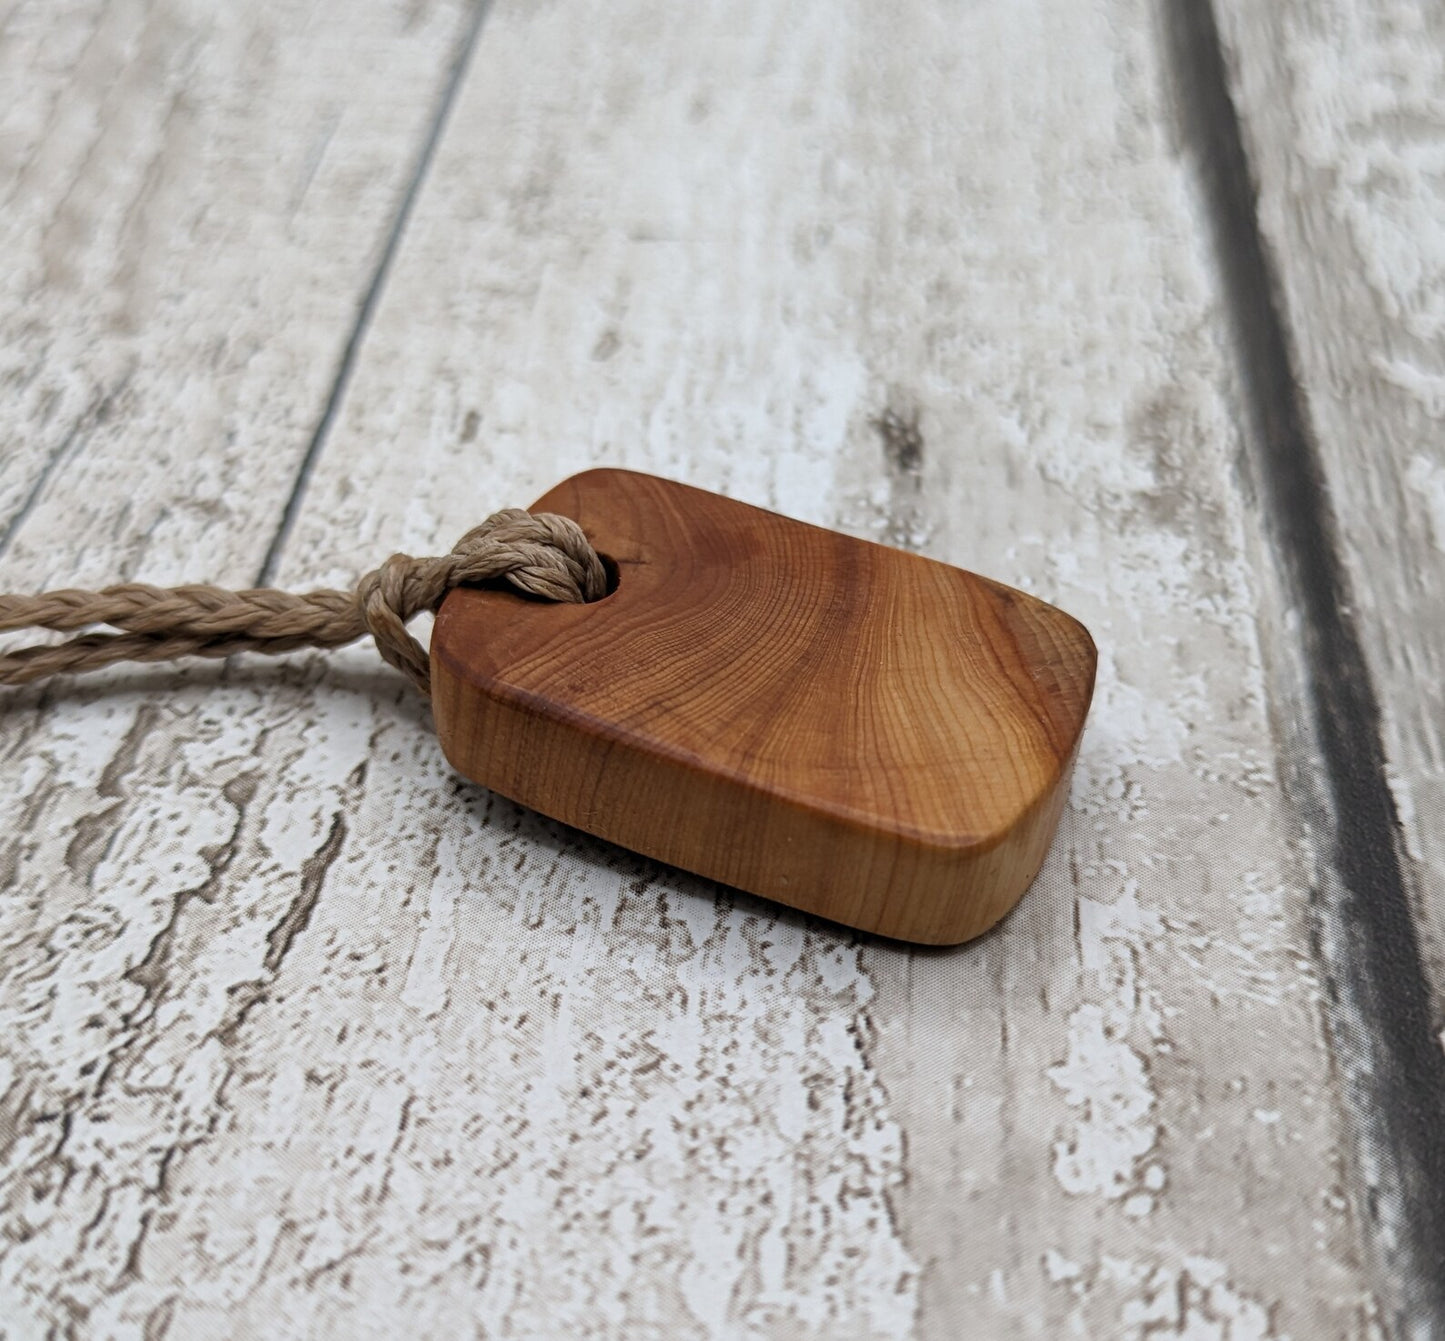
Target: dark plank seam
(97, 412)
(1380, 1014)
(461, 60)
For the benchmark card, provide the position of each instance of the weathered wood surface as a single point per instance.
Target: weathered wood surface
(1342, 111)
(1343, 107)
(306, 1037)
(195, 199)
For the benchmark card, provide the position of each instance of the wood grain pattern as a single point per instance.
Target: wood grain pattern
(853, 730)
(1339, 108)
(1343, 108)
(194, 198)
(306, 1038)
(722, 244)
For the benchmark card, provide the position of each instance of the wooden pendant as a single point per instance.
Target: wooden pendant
(859, 732)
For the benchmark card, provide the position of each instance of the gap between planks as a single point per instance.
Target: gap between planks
(461, 61)
(1379, 1013)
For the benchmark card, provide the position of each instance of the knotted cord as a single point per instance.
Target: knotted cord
(541, 554)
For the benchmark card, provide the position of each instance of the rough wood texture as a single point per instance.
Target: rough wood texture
(195, 199)
(742, 246)
(852, 730)
(1343, 106)
(1342, 117)
(305, 1038)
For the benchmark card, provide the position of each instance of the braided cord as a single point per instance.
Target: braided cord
(541, 554)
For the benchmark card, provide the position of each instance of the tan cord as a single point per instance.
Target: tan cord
(541, 554)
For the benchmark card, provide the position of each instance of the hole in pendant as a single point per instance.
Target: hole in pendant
(609, 568)
(614, 575)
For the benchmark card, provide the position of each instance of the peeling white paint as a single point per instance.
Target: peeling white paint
(1191, 1297)
(1344, 104)
(1103, 1076)
(1105, 1079)
(490, 1072)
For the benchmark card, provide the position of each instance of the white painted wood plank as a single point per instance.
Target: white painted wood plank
(720, 245)
(195, 198)
(375, 1052)
(1343, 108)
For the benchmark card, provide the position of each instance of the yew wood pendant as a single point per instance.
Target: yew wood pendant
(867, 735)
